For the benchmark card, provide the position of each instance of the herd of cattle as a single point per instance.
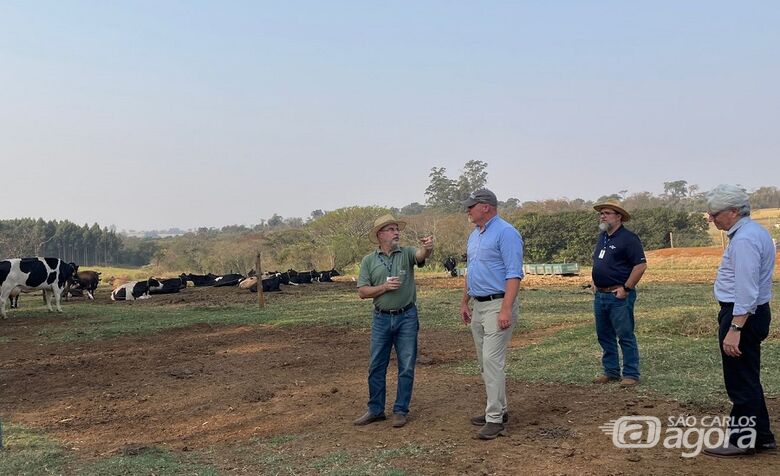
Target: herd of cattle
(58, 279)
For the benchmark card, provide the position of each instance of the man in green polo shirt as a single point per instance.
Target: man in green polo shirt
(387, 277)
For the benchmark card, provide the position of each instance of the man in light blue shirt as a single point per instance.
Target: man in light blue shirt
(495, 268)
(743, 287)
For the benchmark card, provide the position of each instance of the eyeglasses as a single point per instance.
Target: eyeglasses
(607, 212)
(392, 229)
(715, 215)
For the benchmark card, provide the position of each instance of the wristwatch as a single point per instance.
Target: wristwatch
(735, 327)
(626, 288)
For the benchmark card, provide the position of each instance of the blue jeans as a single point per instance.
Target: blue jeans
(615, 325)
(389, 330)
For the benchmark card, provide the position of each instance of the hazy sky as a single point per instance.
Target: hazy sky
(153, 114)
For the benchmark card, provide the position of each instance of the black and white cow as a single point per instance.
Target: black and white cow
(450, 264)
(303, 277)
(85, 281)
(134, 290)
(168, 286)
(47, 274)
(200, 280)
(325, 276)
(270, 284)
(228, 280)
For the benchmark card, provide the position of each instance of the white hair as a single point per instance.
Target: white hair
(724, 197)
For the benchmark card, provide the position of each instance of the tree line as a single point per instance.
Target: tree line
(554, 230)
(85, 244)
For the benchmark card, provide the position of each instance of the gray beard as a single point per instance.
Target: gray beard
(603, 226)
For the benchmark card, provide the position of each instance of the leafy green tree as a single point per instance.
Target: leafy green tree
(342, 233)
(413, 208)
(765, 197)
(441, 191)
(676, 189)
(474, 177)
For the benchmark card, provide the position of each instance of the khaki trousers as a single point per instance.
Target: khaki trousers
(491, 343)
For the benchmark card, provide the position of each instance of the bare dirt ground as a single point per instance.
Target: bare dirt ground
(213, 387)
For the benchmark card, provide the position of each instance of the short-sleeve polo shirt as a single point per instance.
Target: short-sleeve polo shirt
(376, 267)
(615, 257)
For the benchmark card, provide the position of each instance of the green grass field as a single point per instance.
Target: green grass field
(676, 326)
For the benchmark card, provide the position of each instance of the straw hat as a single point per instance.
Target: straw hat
(382, 222)
(613, 204)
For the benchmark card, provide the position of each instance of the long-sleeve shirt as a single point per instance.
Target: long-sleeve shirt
(495, 254)
(745, 273)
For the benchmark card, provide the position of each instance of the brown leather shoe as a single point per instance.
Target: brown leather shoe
(479, 420)
(399, 420)
(491, 430)
(729, 451)
(369, 417)
(601, 379)
(629, 382)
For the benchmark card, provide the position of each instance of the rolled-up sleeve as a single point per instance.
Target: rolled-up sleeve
(511, 244)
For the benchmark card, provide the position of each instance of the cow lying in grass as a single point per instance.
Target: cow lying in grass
(134, 290)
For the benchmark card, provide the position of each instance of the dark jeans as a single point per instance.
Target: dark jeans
(388, 331)
(615, 325)
(742, 375)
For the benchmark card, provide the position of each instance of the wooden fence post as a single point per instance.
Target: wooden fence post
(260, 296)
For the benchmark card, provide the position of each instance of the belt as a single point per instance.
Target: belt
(395, 312)
(726, 304)
(489, 298)
(609, 289)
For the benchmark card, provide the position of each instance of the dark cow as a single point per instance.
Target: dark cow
(270, 285)
(450, 264)
(228, 280)
(48, 274)
(324, 276)
(73, 292)
(85, 281)
(200, 280)
(299, 278)
(168, 286)
(134, 290)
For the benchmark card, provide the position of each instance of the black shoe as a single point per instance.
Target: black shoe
(769, 447)
(369, 418)
(480, 419)
(730, 451)
(492, 430)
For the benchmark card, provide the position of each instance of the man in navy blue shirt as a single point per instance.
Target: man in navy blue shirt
(743, 288)
(618, 265)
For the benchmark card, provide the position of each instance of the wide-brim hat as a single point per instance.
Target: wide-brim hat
(613, 204)
(382, 222)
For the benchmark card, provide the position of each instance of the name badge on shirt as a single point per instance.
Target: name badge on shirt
(601, 254)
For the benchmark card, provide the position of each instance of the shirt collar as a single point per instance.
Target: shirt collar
(737, 226)
(619, 229)
(378, 251)
(487, 224)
